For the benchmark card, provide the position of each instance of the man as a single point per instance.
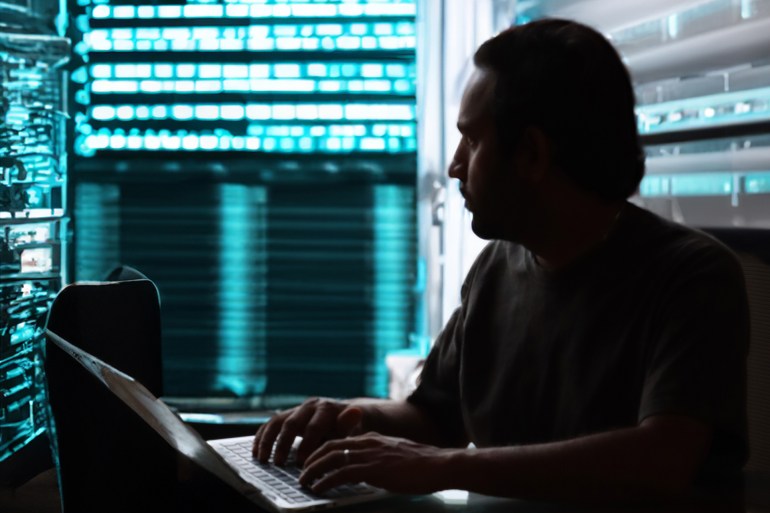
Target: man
(599, 351)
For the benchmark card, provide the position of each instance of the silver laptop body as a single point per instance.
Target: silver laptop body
(269, 486)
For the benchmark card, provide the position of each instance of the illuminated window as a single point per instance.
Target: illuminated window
(261, 170)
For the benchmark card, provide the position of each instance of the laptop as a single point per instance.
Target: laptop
(269, 486)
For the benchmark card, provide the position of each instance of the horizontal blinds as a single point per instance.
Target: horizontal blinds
(280, 290)
(707, 139)
(339, 294)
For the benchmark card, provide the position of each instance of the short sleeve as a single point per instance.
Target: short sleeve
(437, 393)
(696, 364)
(438, 388)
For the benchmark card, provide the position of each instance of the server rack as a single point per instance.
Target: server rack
(33, 223)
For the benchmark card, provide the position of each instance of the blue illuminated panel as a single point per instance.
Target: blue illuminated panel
(23, 407)
(757, 183)
(273, 77)
(705, 184)
(706, 111)
(688, 184)
(32, 222)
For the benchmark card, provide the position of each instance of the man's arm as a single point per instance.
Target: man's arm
(318, 420)
(657, 459)
(401, 419)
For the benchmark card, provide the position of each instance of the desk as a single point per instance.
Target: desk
(41, 496)
(753, 497)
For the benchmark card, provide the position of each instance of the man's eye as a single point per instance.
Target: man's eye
(470, 141)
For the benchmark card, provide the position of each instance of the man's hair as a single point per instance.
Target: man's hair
(567, 79)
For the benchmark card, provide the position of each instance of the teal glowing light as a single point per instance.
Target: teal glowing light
(125, 112)
(175, 32)
(242, 340)
(655, 186)
(287, 71)
(757, 183)
(103, 112)
(261, 78)
(207, 112)
(372, 70)
(688, 184)
(182, 112)
(256, 38)
(706, 184)
(274, 139)
(392, 277)
(712, 110)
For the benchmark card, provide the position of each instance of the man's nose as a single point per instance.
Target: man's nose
(458, 165)
(453, 169)
(457, 169)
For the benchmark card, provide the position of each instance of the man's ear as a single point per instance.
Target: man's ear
(534, 154)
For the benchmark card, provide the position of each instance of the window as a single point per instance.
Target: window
(258, 162)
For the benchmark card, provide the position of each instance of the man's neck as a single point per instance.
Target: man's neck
(570, 233)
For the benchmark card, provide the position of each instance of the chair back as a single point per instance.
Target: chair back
(753, 248)
(108, 459)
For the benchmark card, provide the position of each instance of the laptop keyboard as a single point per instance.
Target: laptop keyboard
(284, 481)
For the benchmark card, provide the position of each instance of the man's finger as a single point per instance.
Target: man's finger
(257, 438)
(348, 420)
(293, 425)
(267, 439)
(345, 475)
(328, 447)
(328, 463)
(318, 429)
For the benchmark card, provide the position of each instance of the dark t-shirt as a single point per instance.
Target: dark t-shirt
(654, 321)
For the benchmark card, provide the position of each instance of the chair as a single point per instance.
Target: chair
(125, 273)
(753, 248)
(108, 459)
(118, 322)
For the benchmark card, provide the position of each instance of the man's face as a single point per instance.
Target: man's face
(487, 180)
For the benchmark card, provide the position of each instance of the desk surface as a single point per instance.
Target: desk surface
(754, 497)
(41, 496)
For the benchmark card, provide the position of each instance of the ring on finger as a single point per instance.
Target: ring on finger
(346, 453)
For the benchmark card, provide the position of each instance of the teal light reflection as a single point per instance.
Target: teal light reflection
(757, 183)
(242, 358)
(393, 270)
(687, 184)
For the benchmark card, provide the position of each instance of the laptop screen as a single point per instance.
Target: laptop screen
(154, 413)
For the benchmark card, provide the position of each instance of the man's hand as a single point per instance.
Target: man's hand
(316, 421)
(656, 460)
(395, 464)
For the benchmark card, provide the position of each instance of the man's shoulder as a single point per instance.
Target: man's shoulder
(668, 243)
(497, 258)
(500, 253)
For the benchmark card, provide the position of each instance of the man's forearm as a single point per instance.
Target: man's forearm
(400, 419)
(625, 464)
